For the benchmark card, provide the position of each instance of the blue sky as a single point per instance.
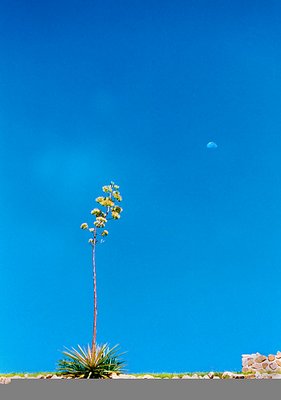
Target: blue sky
(132, 91)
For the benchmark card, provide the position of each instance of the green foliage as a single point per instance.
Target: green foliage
(86, 363)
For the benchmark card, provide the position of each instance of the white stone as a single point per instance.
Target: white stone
(276, 376)
(5, 380)
(127, 377)
(248, 356)
(227, 374)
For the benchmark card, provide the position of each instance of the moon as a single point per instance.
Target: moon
(212, 145)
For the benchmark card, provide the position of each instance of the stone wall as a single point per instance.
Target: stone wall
(258, 362)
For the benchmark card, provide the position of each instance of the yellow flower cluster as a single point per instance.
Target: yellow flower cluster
(96, 212)
(109, 202)
(115, 215)
(105, 201)
(107, 189)
(100, 222)
(115, 212)
(117, 209)
(102, 219)
(117, 196)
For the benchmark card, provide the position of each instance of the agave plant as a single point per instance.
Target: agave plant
(96, 361)
(84, 363)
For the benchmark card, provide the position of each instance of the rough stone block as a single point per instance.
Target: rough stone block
(273, 366)
(260, 359)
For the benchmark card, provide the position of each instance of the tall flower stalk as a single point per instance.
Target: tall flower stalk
(107, 210)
